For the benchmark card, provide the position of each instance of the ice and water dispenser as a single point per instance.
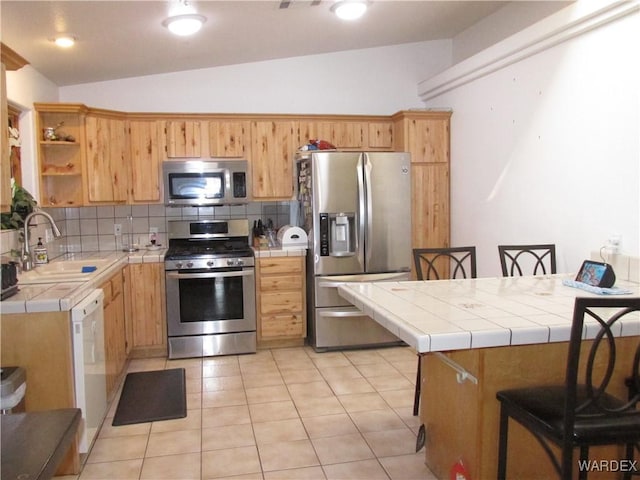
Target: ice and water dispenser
(337, 234)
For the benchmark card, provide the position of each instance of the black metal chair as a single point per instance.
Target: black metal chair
(582, 412)
(440, 263)
(532, 259)
(437, 264)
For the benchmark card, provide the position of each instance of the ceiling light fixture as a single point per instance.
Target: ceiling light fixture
(185, 25)
(349, 9)
(64, 41)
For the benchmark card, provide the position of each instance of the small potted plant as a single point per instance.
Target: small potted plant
(22, 204)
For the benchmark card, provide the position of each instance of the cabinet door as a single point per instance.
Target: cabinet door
(430, 205)
(107, 172)
(148, 307)
(114, 331)
(229, 139)
(5, 166)
(341, 134)
(272, 150)
(428, 140)
(183, 139)
(381, 135)
(146, 165)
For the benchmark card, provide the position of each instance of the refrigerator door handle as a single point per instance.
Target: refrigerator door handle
(362, 206)
(368, 205)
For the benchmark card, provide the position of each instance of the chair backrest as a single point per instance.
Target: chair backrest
(441, 263)
(588, 381)
(527, 259)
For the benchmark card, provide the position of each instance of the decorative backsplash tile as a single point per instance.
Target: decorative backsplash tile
(87, 229)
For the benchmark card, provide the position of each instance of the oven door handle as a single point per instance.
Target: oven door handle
(185, 276)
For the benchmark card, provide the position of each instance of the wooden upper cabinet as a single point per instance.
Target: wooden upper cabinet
(61, 160)
(106, 156)
(381, 135)
(229, 138)
(183, 139)
(425, 135)
(341, 134)
(146, 161)
(272, 150)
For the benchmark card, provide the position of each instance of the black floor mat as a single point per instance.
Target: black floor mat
(152, 396)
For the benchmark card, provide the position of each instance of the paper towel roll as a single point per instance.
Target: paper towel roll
(292, 237)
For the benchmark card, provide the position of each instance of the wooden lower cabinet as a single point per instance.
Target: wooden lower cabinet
(115, 349)
(147, 320)
(41, 343)
(281, 302)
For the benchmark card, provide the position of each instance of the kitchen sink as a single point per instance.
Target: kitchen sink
(65, 271)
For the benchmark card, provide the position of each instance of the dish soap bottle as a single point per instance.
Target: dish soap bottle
(40, 253)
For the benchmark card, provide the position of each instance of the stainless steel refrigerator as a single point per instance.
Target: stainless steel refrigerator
(356, 210)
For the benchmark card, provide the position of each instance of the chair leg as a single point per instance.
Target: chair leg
(582, 472)
(502, 444)
(416, 398)
(630, 448)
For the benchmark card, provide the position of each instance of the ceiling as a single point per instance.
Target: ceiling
(120, 39)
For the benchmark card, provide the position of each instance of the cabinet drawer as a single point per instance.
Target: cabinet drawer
(269, 266)
(279, 302)
(282, 326)
(280, 282)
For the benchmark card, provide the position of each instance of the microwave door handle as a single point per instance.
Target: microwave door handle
(369, 206)
(361, 217)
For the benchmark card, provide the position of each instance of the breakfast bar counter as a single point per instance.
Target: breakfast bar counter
(476, 337)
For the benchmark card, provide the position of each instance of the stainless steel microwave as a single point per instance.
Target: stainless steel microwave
(201, 183)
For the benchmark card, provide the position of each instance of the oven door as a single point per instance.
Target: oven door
(211, 301)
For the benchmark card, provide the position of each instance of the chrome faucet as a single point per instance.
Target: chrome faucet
(27, 261)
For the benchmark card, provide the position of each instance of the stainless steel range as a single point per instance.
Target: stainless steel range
(210, 284)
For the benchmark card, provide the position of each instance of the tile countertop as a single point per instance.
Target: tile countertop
(445, 315)
(62, 296)
(279, 252)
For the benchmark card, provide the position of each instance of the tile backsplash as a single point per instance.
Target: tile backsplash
(90, 229)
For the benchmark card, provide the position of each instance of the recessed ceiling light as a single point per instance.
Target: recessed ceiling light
(184, 25)
(64, 41)
(349, 9)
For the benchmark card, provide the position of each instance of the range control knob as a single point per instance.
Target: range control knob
(240, 262)
(210, 263)
(178, 265)
(189, 264)
(231, 262)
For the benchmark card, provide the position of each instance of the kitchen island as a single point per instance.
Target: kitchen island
(476, 337)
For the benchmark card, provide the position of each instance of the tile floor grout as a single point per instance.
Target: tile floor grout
(279, 414)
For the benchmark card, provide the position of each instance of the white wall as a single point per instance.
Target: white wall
(547, 149)
(24, 87)
(376, 81)
(506, 21)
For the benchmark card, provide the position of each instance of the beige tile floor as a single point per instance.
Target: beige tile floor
(286, 413)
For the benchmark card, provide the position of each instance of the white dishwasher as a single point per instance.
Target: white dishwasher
(89, 365)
